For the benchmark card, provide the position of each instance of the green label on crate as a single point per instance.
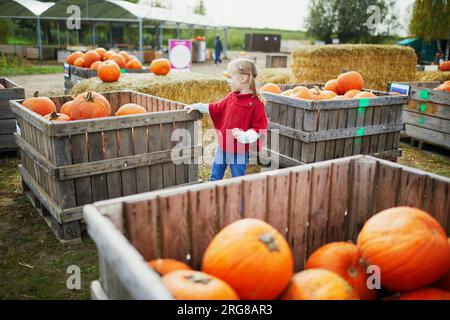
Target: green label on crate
(423, 107)
(421, 120)
(364, 102)
(360, 110)
(357, 140)
(424, 94)
(123, 71)
(360, 132)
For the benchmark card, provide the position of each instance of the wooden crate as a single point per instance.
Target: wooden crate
(7, 118)
(312, 131)
(427, 114)
(66, 165)
(310, 205)
(73, 75)
(276, 61)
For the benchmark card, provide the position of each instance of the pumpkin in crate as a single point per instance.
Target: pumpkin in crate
(301, 92)
(195, 285)
(351, 93)
(317, 94)
(408, 245)
(79, 63)
(331, 85)
(134, 64)
(108, 54)
(348, 81)
(95, 65)
(101, 52)
(66, 108)
(74, 56)
(90, 105)
(344, 259)
(340, 98)
(443, 87)
(426, 294)
(165, 266)
(271, 87)
(318, 284)
(364, 94)
(252, 257)
(57, 117)
(90, 57)
(129, 109)
(108, 71)
(287, 92)
(444, 282)
(120, 60)
(445, 66)
(125, 56)
(40, 105)
(160, 67)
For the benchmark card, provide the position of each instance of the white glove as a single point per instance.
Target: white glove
(248, 136)
(201, 107)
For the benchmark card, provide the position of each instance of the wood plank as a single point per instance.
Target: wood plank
(322, 125)
(7, 126)
(113, 179)
(297, 144)
(330, 145)
(382, 137)
(192, 168)
(368, 121)
(342, 122)
(310, 120)
(141, 147)
(229, 203)
(278, 201)
(357, 141)
(373, 148)
(282, 119)
(169, 174)
(429, 136)
(156, 170)
(8, 142)
(428, 108)
(351, 123)
(254, 198)
(98, 181)
(390, 136)
(425, 121)
(127, 149)
(182, 140)
(412, 189)
(388, 186)
(437, 201)
(80, 155)
(290, 122)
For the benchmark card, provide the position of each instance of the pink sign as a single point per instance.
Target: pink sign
(180, 54)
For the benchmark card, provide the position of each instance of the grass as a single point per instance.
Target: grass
(425, 160)
(12, 66)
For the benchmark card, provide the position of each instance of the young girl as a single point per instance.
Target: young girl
(239, 119)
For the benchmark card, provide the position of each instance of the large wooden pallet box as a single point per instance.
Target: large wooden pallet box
(66, 165)
(310, 205)
(309, 131)
(12, 91)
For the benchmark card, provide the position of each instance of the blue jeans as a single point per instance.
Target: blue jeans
(217, 57)
(238, 164)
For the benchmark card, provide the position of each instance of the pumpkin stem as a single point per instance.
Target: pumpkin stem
(198, 278)
(89, 97)
(36, 94)
(269, 241)
(53, 116)
(352, 272)
(316, 90)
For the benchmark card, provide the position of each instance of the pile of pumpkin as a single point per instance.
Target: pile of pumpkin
(251, 260)
(87, 105)
(443, 87)
(347, 86)
(108, 64)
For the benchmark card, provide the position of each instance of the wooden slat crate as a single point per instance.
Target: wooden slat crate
(312, 131)
(427, 114)
(276, 61)
(73, 75)
(12, 91)
(310, 205)
(66, 165)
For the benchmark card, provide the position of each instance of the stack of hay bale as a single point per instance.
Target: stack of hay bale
(432, 76)
(378, 64)
(276, 75)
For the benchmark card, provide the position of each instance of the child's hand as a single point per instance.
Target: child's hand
(202, 107)
(236, 132)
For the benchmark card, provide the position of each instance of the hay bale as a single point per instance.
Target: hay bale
(378, 64)
(186, 87)
(276, 75)
(431, 76)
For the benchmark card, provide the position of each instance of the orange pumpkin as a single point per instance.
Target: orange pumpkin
(129, 109)
(426, 294)
(134, 64)
(95, 65)
(445, 66)
(90, 57)
(301, 92)
(348, 81)
(344, 259)
(271, 87)
(252, 257)
(318, 284)
(132, 57)
(364, 94)
(408, 245)
(444, 282)
(160, 67)
(90, 105)
(331, 85)
(165, 266)
(74, 56)
(108, 71)
(40, 105)
(57, 117)
(79, 63)
(195, 285)
(444, 86)
(101, 52)
(351, 93)
(66, 108)
(287, 92)
(108, 54)
(125, 56)
(317, 94)
(117, 58)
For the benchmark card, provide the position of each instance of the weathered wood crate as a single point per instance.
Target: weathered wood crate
(427, 114)
(12, 91)
(66, 165)
(276, 61)
(312, 131)
(73, 75)
(310, 205)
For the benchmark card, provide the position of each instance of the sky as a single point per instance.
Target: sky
(279, 14)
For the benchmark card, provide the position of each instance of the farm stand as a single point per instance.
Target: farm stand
(12, 91)
(312, 131)
(66, 165)
(310, 205)
(73, 75)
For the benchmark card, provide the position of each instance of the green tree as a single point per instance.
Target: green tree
(431, 21)
(200, 8)
(321, 19)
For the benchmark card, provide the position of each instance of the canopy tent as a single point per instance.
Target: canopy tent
(105, 11)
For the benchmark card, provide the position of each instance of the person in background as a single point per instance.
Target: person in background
(218, 48)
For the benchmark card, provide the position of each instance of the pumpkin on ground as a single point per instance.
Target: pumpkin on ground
(252, 257)
(66, 108)
(57, 117)
(364, 94)
(129, 109)
(90, 105)
(108, 71)
(74, 56)
(445, 66)
(331, 85)
(351, 93)
(90, 57)
(195, 285)
(348, 81)
(426, 294)
(408, 245)
(134, 64)
(160, 67)
(40, 105)
(165, 266)
(318, 284)
(344, 259)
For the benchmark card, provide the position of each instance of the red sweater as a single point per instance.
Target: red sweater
(242, 111)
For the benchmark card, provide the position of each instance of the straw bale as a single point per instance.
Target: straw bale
(276, 75)
(431, 76)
